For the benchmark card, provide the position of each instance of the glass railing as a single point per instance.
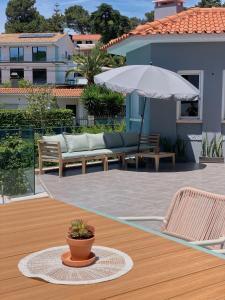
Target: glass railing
(17, 162)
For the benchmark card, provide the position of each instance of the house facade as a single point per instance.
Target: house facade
(84, 43)
(41, 58)
(191, 43)
(16, 98)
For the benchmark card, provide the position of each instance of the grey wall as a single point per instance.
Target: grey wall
(208, 57)
(166, 10)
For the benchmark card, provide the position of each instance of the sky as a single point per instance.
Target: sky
(130, 8)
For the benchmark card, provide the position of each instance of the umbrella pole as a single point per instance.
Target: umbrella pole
(142, 123)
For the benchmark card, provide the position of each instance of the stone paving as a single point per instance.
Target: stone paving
(124, 193)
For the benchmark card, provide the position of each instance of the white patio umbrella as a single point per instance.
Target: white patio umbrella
(148, 81)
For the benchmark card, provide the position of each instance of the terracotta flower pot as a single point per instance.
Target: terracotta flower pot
(80, 249)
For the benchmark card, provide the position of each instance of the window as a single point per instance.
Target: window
(17, 73)
(16, 54)
(73, 108)
(39, 76)
(79, 42)
(39, 53)
(191, 109)
(89, 42)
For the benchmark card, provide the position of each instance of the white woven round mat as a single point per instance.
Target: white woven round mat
(47, 265)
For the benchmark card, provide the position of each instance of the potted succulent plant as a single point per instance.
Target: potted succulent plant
(212, 151)
(80, 240)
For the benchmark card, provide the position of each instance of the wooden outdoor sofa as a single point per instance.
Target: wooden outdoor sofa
(68, 148)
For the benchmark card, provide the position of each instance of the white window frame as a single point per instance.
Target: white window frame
(200, 101)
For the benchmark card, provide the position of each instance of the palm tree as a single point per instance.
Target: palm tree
(94, 63)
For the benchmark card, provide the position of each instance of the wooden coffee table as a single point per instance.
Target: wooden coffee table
(156, 157)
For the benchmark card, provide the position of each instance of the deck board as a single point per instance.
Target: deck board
(163, 269)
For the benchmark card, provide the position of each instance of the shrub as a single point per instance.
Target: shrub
(19, 118)
(16, 155)
(100, 101)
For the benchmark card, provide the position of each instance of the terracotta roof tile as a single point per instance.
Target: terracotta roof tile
(61, 92)
(86, 37)
(193, 20)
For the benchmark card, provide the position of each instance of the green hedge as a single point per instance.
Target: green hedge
(18, 118)
(16, 156)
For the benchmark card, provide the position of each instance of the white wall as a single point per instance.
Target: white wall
(19, 101)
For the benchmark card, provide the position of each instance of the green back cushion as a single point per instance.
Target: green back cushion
(77, 142)
(130, 138)
(113, 140)
(56, 138)
(96, 141)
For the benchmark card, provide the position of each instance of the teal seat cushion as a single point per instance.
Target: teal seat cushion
(130, 138)
(96, 141)
(132, 149)
(113, 140)
(56, 138)
(76, 142)
(80, 154)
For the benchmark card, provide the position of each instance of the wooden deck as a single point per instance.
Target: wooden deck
(162, 269)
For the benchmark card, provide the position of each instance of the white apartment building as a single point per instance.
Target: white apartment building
(84, 43)
(41, 58)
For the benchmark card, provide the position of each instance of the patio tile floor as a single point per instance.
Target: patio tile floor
(124, 193)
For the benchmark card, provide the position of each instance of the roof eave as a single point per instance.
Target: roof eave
(134, 42)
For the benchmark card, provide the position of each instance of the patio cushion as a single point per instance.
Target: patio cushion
(132, 149)
(56, 138)
(96, 141)
(76, 142)
(130, 138)
(80, 154)
(113, 140)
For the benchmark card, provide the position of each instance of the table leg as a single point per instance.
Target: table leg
(123, 161)
(84, 166)
(173, 160)
(137, 161)
(156, 163)
(106, 164)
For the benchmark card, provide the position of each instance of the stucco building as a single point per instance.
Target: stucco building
(41, 58)
(192, 43)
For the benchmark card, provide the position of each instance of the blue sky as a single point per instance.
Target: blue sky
(127, 7)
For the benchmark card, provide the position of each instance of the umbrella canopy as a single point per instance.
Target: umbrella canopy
(148, 81)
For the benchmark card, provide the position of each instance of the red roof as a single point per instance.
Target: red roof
(61, 92)
(86, 37)
(194, 20)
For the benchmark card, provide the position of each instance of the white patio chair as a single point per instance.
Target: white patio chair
(195, 216)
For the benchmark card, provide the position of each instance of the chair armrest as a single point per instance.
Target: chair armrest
(150, 218)
(219, 241)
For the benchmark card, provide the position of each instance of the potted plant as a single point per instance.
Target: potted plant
(212, 151)
(80, 240)
(180, 149)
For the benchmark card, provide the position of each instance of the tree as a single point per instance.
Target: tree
(109, 22)
(57, 21)
(100, 101)
(134, 22)
(39, 101)
(78, 18)
(22, 16)
(149, 16)
(89, 65)
(209, 3)
(93, 64)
